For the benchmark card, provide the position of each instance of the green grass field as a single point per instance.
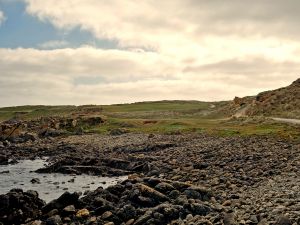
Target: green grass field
(168, 117)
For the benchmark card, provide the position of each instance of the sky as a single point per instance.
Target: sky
(55, 52)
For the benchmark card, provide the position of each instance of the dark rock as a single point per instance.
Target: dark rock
(70, 209)
(54, 220)
(35, 180)
(3, 160)
(16, 206)
(164, 188)
(64, 200)
(283, 220)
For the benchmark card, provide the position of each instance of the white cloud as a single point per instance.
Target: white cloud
(53, 44)
(205, 50)
(30, 76)
(194, 30)
(2, 17)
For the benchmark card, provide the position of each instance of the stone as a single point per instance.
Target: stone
(283, 220)
(54, 220)
(82, 213)
(263, 222)
(253, 219)
(106, 215)
(129, 222)
(229, 219)
(35, 181)
(110, 223)
(70, 209)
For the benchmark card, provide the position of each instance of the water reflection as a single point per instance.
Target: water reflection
(49, 186)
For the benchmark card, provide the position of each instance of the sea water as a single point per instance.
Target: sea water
(50, 185)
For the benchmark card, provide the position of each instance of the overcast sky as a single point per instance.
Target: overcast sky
(103, 52)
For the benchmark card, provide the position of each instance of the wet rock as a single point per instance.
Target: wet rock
(64, 200)
(35, 181)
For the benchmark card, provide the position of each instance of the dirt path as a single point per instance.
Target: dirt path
(285, 120)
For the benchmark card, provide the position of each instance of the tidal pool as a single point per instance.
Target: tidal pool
(52, 185)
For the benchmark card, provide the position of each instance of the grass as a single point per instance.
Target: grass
(168, 117)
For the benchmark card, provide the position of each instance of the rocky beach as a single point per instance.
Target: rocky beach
(172, 179)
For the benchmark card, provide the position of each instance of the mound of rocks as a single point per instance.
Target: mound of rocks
(18, 207)
(136, 201)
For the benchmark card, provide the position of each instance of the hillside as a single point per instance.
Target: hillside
(283, 102)
(165, 116)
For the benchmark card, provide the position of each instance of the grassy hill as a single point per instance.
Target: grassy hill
(283, 102)
(169, 117)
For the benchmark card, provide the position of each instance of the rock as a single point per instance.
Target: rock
(110, 223)
(54, 220)
(151, 193)
(229, 219)
(127, 212)
(227, 203)
(16, 206)
(253, 219)
(67, 219)
(196, 192)
(144, 218)
(35, 222)
(129, 222)
(82, 213)
(164, 187)
(189, 217)
(92, 220)
(35, 180)
(52, 212)
(283, 220)
(64, 200)
(3, 160)
(199, 209)
(106, 215)
(70, 209)
(263, 222)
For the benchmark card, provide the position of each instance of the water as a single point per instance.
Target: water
(51, 185)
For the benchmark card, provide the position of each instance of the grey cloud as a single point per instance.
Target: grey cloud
(237, 17)
(252, 65)
(256, 72)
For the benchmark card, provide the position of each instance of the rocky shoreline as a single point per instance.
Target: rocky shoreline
(173, 179)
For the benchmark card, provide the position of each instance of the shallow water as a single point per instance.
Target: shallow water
(51, 185)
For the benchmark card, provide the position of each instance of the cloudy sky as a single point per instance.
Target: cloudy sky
(103, 52)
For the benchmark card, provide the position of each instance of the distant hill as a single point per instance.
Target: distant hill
(283, 102)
